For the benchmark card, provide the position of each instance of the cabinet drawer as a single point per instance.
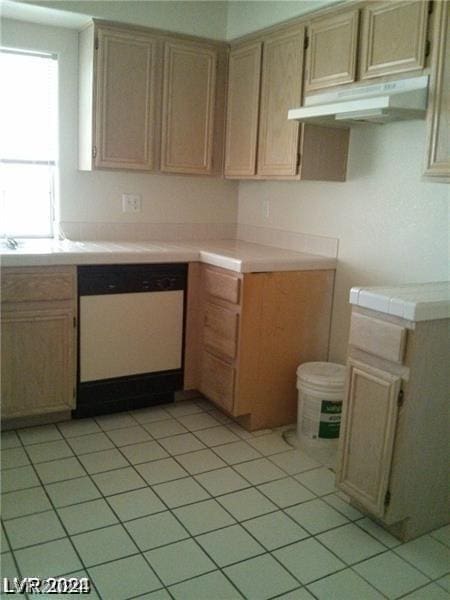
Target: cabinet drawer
(217, 381)
(37, 285)
(222, 285)
(221, 330)
(382, 338)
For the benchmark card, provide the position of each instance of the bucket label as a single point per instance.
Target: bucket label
(320, 419)
(330, 419)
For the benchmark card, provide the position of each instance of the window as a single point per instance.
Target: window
(28, 146)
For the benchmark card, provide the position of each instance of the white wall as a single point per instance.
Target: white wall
(95, 197)
(393, 226)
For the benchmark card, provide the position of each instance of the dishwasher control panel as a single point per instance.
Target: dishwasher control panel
(94, 280)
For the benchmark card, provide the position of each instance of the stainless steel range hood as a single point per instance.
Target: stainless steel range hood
(374, 103)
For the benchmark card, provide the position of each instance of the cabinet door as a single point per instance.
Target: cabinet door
(393, 37)
(281, 89)
(438, 151)
(217, 381)
(125, 105)
(242, 110)
(38, 371)
(331, 56)
(220, 331)
(367, 435)
(188, 108)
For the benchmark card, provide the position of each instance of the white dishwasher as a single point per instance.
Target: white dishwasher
(130, 350)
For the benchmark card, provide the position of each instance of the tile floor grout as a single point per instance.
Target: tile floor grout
(210, 496)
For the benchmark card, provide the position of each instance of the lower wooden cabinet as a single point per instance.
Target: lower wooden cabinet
(394, 439)
(248, 334)
(38, 344)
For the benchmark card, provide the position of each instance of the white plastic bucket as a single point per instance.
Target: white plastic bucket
(320, 393)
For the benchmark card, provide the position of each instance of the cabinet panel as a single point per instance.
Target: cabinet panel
(188, 108)
(221, 330)
(367, 435)
(21, 285)
(125, 121)
(38, 374)
(222, 285)
(393, 38)
(438, 147)
(242, 110)
(331, 56)
(217, 381)
(281, 89)
(381, 338)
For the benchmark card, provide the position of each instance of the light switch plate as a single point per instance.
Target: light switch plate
(131, 203)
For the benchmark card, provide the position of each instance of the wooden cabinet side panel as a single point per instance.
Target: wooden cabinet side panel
(188, 108)
(393, 37)
(38, 354)
(242, 110)
(367, 434)
(281, 89)
(438, 116)
(86, 66)
(285, 322)
(331, 55)
(324, 153)
(125, 103)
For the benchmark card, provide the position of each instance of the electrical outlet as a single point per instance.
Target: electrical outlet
(131, 203)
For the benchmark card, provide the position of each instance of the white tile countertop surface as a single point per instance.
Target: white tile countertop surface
(236, 255)
(415, 302)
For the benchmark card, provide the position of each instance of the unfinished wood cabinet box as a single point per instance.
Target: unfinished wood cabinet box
(242, 351)
(438, 126)
(394, 440)
(265, 81)
(38, 345)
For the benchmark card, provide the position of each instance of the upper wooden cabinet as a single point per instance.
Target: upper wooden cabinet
(188, 107)
(265, 81)
(150, 101)
(332, 47)
(118, 94)
(393, 37)
(438, 150)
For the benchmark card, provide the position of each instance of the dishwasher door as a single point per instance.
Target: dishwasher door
(127, 334)
(131, 336)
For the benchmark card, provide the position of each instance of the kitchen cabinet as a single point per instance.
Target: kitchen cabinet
(394, 443)
(438, 151)
(119, 90)
(382, 38)
(188, 107)
(38, 343)
(150, 101)
(234, 322)
(265, 81)
(332, 49)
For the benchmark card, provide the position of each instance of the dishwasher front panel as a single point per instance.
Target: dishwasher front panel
(129, 334)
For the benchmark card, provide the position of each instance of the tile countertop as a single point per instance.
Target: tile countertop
(240, 256)
(415, 302)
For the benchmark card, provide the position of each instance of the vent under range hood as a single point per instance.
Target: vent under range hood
(402, 99)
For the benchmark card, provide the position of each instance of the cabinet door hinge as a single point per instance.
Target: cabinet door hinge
(306, 43)
(299, 159)
(427, 48)
(400, 398)
(430, 7)
(387, 498)
(94, 151)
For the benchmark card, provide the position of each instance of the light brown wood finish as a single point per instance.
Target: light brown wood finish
(188, 108)
(243, 110)
(125, 111)
(367, 429)
(193, 343)
(217, 381)
(281, 89)
(400, 446)
(331, 55)
(221, 331)
(393, 37)
(38, 343)
(323, 153)
(222, 284)
(438, 116)
(378, 337)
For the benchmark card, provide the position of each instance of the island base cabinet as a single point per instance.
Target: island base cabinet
(394, 443)
(38, 351)
(253, 330)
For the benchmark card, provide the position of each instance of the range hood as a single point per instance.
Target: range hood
(373, 103)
